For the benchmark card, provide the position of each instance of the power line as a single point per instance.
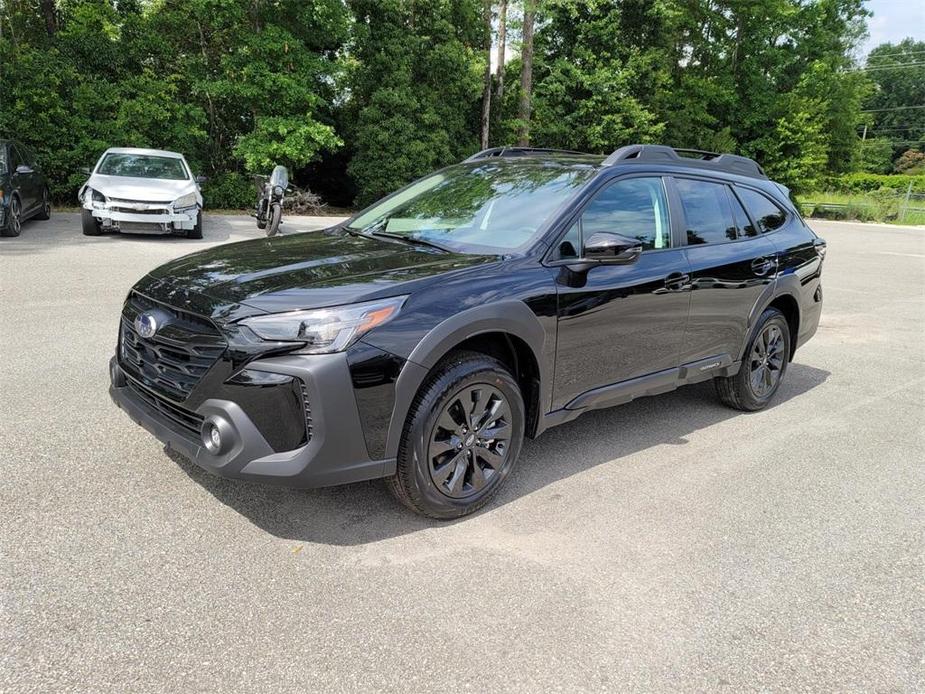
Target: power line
(895, 108)
(897, 66)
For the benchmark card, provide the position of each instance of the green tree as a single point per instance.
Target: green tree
(415, 89)
(898, 74)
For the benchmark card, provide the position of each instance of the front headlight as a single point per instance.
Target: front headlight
(187, 200)
(326, 330)
(94, 197)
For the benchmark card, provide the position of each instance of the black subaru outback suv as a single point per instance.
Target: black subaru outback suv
(424, 338)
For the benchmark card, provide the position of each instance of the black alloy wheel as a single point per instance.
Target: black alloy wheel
(766, 362)
(462, 437)
(469, 443)
(14, 223)
(45, 211)
(763, 365)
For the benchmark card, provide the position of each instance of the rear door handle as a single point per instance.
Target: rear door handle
(762, 266)
(677, 280)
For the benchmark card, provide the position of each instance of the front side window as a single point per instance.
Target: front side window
(767, 215)
(636, 208)
(707, 211)
(143, 166)
(490, 207)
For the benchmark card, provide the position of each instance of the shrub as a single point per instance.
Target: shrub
(911, 162)
(230, 191)
(868, 182)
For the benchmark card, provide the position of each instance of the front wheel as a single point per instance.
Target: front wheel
(763, 366)
(196, 231)
(276, 216)
(461, 439)
(91, 227)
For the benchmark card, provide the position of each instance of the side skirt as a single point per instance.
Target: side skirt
(651, 384)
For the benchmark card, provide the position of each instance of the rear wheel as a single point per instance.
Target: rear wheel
(763, 367)
(45, 210)
(276, 216)
(196, 231)
(14, 223)
(461, 439)
(91, 227)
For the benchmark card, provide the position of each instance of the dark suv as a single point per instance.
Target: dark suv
(23, 188)
(421, 340)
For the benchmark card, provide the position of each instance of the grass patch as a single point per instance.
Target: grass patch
(877, 206)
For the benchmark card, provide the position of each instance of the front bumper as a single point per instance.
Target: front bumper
(335, 454)
(165, 220)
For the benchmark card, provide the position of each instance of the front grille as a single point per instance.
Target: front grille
(126, 201)
(182, 350)
(142, 226)
(132, 210)
(190, 421)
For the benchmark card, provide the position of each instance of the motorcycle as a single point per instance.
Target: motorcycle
(270, 192)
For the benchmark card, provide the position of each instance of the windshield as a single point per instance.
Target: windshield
(493, 207)
(143, 166)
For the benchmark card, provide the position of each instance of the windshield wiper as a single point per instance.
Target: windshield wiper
(376, 230)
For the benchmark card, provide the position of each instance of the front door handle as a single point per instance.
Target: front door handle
(677, 281)
(762, 266)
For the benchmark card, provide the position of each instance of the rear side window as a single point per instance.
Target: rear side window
(634, 207)
(767, 215)
(743, 223)
(707, 211)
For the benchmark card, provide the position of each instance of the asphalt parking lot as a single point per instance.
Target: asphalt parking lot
(667, 545)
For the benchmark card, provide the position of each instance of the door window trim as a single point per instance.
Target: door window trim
(731, 186)
(568, 222)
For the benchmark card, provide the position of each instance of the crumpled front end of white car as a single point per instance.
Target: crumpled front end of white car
(165, 216)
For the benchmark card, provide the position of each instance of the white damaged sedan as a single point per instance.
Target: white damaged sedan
(142, 190)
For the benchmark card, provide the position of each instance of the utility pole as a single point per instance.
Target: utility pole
(486, 88)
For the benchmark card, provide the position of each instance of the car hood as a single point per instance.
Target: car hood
(310, 270)
(144, 189)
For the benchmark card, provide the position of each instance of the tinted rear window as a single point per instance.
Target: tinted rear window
(707, 212)
(767, 215)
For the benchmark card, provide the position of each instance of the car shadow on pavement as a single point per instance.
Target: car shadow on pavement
(366, 512)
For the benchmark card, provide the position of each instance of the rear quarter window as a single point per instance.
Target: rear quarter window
(768, 215)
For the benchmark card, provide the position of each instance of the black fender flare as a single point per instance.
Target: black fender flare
(781, 287)
(511, 317)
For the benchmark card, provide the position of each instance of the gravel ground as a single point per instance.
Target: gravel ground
(667, 545)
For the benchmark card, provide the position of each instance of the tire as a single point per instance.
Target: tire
(763, 365)
(45, 210)
(445, 468)
(276, 216)
(196, 231)
(14, 221)
(91, 227)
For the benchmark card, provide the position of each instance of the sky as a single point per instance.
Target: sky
(893, 21)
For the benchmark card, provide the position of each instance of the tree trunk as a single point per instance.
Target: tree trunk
(49, 15)
(526, 76)
(502, 49)
(486, 89)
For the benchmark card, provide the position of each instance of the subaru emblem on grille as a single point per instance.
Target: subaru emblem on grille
(146, 325)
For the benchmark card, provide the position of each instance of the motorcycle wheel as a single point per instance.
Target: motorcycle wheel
(276, 215)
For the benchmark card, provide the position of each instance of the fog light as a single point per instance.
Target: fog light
(216, 435)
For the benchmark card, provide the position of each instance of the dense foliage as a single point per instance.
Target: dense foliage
(358, 97)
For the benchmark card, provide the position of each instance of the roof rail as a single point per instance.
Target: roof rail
(730, 163)
(506, 152)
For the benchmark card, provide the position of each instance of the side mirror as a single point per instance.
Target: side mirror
(200, 180)
(24, 169)
(606, 247)
(85, 170)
